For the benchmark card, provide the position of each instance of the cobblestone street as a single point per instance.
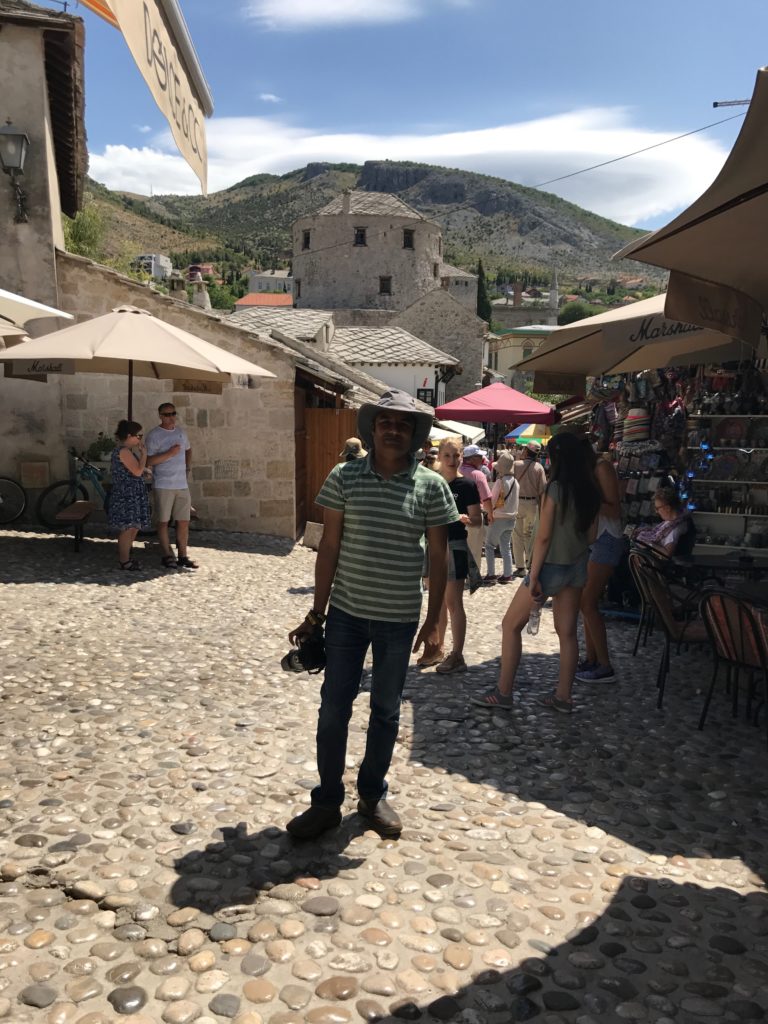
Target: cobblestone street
(604, 867)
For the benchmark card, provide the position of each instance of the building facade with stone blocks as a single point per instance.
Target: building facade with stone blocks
(460, 285)
(365, 250)
(441, 321)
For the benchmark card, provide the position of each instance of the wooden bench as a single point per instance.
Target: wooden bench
(77, 514)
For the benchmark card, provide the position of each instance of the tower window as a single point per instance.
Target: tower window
(435, 269)
(385, 286)
(306, 238)
(408, 238)
(297, 286)
(360, 236)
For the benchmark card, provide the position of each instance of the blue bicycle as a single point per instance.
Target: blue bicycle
(64, 493)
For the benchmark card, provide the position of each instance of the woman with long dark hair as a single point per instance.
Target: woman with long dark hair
(128, 501)
(567, 527)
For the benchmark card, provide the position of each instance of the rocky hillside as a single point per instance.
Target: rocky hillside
(507, 225)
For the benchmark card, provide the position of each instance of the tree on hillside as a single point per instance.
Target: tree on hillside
(84, 233)
(484, 309)
(574, 311)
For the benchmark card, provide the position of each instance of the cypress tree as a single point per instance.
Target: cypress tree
(484, 310)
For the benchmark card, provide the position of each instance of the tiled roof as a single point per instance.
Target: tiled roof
(271, 273)
(390, 345)
(265, 299)
(299, 323)
(377, 204)
(446, 270)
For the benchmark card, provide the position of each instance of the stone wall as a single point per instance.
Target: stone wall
(441, 321)
(242, 440)
(334, 273)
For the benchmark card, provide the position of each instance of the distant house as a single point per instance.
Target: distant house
(264, 299)
(397, 357)
(200, 269)
(155, 265)
(270, 281)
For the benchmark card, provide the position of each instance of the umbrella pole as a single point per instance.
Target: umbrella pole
(130, 389)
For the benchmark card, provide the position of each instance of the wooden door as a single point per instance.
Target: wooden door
(300, 445)
(326, 432)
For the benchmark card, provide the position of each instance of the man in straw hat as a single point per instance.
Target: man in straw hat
(369, 563)
(353, 449)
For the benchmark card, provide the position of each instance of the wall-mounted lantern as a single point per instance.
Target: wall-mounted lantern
(14, 145)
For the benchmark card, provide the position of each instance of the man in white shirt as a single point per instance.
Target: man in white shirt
(170, 455)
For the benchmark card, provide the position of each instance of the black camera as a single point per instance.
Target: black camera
(308, 655)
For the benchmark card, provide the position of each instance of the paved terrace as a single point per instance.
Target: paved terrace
(606, 867)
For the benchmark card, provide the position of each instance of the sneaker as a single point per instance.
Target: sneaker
(596, 674)
(585, 665)
(453, 663)
(314, 821)
(505, 579)
(488, 581)
(186, 563)
(495, 699)
(384, 819)
(435, 659)
(553, 703)
(520, 573)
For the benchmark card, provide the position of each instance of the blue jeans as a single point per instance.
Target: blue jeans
(499, 532)
(347, 639)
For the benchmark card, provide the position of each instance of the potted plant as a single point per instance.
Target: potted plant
(100, 450)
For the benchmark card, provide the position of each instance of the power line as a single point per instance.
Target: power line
(638, 151)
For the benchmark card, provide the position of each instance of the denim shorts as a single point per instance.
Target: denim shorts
(607, 549)
(458, 560)
(554, 577)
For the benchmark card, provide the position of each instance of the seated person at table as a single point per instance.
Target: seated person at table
(675, 534)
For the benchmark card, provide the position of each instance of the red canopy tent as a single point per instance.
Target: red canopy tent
(497, 403)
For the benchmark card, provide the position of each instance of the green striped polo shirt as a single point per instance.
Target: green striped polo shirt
(378, 575)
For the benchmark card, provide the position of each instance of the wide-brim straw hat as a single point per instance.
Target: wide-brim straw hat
(394, 401)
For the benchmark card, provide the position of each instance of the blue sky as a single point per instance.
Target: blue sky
(523, 91)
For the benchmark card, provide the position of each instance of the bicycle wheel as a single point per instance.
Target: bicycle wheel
(56, 497)
(13, 500)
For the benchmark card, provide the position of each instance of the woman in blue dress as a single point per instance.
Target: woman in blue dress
(128, 500)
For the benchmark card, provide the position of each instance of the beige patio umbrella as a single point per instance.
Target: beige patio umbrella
(128, 341)
(635, 336)
(18, 309)
(716, 248)
(9, 330)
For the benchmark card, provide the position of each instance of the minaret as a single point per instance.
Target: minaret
(554, 297)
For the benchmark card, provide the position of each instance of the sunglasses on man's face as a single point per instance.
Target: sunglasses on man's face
(168, 413)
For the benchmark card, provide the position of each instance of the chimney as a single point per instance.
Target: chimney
(177, 287)
(200, 296)
(517, 294)
(346, 203)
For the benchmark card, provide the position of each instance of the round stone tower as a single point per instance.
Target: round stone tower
(365, 250)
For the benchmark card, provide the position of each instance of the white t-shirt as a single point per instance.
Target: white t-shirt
(170, 475)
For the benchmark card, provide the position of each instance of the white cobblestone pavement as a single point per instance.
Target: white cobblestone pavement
(604, 867)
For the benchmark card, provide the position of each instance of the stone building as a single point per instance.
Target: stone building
(524, 312)
(270, 281)
(460, 285)
(366, 250)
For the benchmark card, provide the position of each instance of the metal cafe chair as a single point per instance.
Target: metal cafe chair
(738, 638)
(672, 615)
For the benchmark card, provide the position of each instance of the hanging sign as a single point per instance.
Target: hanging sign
(198, 387)
(154, 49)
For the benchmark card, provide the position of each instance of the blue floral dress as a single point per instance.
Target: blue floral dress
(128, 499)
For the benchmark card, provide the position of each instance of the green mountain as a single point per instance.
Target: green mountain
(511, 227)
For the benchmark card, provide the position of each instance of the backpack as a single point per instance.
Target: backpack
(501, 500)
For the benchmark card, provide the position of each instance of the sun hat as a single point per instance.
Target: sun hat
(472, 450)
(504, 463)
(394, 401)
(533, 447)
(353, 446)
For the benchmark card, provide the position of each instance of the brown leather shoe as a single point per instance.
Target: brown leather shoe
(384, 819)
(314, 821)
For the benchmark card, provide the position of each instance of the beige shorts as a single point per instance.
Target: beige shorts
(172, 505)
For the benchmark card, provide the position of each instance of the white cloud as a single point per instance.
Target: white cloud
(269, 97)
(295, 15)
(145, 129)
(632, 191)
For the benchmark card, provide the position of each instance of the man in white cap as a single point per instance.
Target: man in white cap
(369, 563)
(532, 481)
